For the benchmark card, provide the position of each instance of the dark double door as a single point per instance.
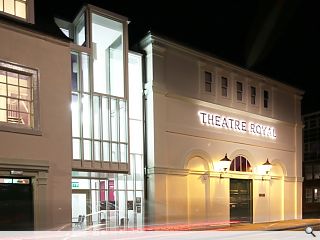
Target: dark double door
(16, 207)
(241, 200)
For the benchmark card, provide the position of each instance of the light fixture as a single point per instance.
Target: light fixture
(225, 164)
(266, 167)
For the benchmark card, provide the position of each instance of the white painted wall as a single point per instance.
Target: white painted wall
(175, 135)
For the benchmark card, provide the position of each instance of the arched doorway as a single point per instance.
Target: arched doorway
(198, 190)
(240, 192)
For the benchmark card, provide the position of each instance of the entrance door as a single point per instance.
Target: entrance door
(241, 200)
(16, 204)
(81, 207)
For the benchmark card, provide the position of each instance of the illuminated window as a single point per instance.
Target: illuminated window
(239, 91)
(241, 164)
(224, 86)
(253, 95)
(17, 8)
(17, 95)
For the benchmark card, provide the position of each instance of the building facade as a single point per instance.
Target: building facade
(95, 136)
(199, 110)
(67, 159)
(311, 165)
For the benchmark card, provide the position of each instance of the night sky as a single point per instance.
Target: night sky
(276, 38)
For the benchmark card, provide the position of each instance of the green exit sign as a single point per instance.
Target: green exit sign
(75, 185)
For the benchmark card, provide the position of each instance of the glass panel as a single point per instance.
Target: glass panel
(87, 150)
(96, 150)
(123, 153)
(108, 56)
(123, 121)
(9, 6)
(75, 116)
(86, 116)
(2, 76)
(76, 148)
(114, 120)
(139, 172)
(105, 118)
(96, 116)
(85, 73)
(21, 9)
(3, 89)
(106, 150)
(3, 103)
(12, 78)
(3, 115)
(20, 181)
(75, 71)
(25, 119)
(115, 156)
(13, 91)
(135, 87)
(80, 32)
(308, 172)
(136, 138)
(116, 68)
(316, 195)
(25, 93)
(1, 5)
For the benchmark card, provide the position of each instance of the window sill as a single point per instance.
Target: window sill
(7, 127)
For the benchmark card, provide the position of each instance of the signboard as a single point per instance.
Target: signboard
(75, 184)
(237, 125)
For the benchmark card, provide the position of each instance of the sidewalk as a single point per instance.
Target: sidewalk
(292, 225)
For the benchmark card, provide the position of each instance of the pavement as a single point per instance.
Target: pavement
(289, 225)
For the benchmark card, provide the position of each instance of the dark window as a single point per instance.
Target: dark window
(224, 86)
(309, 195)
(208, 81)
(265, 99)
(239, 91)
(253, 95)
(240, 164)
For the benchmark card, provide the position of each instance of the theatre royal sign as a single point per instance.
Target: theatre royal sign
(229, 123)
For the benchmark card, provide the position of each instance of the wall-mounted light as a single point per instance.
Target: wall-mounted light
(266, 167)
(224, 164)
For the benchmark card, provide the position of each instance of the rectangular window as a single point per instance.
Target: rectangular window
(253, 95)
(265, 99)
(17, 95)
(239, 91)
(208, 81)
(316, 195)
(308, 195)
(17, 8)
(224, 86)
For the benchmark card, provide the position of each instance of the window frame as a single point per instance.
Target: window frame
(206, 82)
(240, 91)
(34, 129)
(253, 95)
(224, 87)
(29, 12)
(266, 99)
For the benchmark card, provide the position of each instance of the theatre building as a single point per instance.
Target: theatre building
(224, 143)
(94, 136)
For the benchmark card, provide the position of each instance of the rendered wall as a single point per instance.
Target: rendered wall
(52, 60)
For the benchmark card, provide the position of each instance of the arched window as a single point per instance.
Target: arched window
(241, 164)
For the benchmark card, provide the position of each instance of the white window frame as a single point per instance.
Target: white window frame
(34, 73)
(251, 95)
